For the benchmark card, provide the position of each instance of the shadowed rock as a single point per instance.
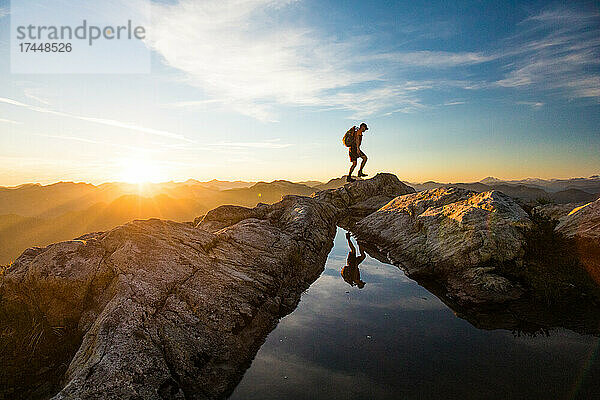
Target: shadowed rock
(582, 222)
(582, 226)
(555, 212)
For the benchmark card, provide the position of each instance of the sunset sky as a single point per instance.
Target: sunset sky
(263, 90)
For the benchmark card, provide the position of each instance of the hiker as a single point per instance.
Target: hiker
(350, 271)
(353, 139)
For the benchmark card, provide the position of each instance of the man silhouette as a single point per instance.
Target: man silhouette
(350, 271)
(355, 153)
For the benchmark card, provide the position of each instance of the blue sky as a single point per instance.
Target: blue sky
(262, 90)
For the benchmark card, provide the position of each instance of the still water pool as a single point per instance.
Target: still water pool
(393, 339)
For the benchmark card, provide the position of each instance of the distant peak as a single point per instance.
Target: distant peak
(490, 179)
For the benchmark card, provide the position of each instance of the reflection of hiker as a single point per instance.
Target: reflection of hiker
(350, 271)
(353, 139)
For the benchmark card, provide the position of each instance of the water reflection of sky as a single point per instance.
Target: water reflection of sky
(393, 339)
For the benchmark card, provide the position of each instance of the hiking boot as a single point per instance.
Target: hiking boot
(361, 174)
(350, 179)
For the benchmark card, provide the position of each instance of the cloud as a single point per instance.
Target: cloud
(562, 15)
(394, 98)
(194, 103)
(36, 94)
(91, 141)
(433, 59)
(103, 121)
(533, 104)
(243, 60)
(10, 121)
(559, 50)
(262, 145)
(246, 57)
(230, 49)
(4, 12)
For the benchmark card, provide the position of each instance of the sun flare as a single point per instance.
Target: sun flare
(140, 171)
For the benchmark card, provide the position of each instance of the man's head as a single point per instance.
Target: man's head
(363, 127)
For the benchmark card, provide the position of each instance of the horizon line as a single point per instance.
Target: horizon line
(253, 181)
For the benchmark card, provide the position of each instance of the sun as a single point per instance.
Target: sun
(139, 170)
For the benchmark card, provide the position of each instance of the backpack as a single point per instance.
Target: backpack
(348, 138)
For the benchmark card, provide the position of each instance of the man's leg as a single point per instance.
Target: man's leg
(363, 156)
(352, 168)
(362, 255)
(352, 248)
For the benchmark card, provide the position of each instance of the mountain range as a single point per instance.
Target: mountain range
(590, 185)
(532, 190)
(37, 215)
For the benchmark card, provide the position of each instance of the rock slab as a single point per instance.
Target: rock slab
(452, 233)
(582, 223)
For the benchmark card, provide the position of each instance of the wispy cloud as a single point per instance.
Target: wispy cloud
(557, 50)
(91, 141)
(433, 59)
(10, 121)
(246, 60)
(231, 50)
(262, 145)
(102, 121)
(4, 12)
(36, 94)
(563, 15)
(194, 103)
(454, 103)
(533, 104)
